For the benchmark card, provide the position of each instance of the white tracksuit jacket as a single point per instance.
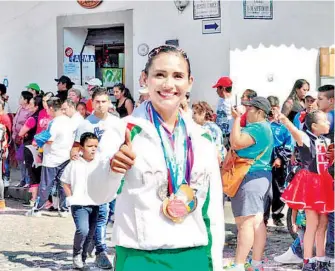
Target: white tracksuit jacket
(139, 222)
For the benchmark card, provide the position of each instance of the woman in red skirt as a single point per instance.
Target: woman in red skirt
(312, 188)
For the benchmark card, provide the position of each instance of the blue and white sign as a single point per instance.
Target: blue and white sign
(85, 58)
(211, 26)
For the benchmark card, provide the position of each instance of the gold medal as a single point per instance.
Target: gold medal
(174, 209)
(179, 205)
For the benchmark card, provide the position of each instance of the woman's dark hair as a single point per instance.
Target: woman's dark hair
(38, 101)
(26, 95)
(273, 100)
(250, 93)
(81, 103)
(126, 92)
(3, 89)
(49, 93)
(166, 49)
(86, 136)
(297, 85)
(311, 118)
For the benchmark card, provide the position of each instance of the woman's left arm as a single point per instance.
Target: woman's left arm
(239, 140)
(24, 130)
(28, 125)
(129, 106)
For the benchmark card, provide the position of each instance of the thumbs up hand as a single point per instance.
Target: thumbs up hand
(124, 159)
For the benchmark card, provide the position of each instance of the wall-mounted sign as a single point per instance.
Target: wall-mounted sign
(206, 9)
(258, 9)
(68, 51)
(89, 4)
(211, 26)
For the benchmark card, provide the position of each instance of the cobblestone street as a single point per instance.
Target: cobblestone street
(44, 243)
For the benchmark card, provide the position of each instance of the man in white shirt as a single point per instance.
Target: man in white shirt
(224, 118)
(69, 109)
(98, 122)
(56, 155)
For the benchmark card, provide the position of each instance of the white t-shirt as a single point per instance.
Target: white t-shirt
(76, 120)
(77, 173)
(224, 118)
(58, 151)
(95, 125)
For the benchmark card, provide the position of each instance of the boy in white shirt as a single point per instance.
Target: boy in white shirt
(84, 210)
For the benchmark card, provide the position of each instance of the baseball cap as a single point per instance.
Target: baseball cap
(260, 103)
(65, 80)
(94, 82)
(223, 82)
(34, 86)
(143, 91)
(313, 94)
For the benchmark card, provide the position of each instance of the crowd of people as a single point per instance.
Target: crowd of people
(156, 168)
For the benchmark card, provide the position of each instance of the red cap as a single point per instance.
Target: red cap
(223, 82)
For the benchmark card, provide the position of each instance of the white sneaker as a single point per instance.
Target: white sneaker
(288, 257)
(6, 182)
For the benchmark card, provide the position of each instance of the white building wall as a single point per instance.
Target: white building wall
(250, 50)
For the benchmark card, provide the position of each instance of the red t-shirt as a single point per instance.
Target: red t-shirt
(89, 106)
(5, 120)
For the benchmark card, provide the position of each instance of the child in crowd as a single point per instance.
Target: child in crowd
(81, 108)
(281, 154)
(312, 187)
(84, 210)
(203, 115)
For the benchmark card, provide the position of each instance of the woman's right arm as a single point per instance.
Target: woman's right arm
(239, 140)
(287, 107)
(296, 133)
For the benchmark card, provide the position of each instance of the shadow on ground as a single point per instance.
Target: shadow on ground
(40, 259)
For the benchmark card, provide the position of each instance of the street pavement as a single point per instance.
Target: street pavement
(45, 243)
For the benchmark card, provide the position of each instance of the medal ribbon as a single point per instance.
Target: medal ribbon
(177, 149)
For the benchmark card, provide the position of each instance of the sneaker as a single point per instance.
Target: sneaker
(33, 213)
(102, 261)
(77, 262)
(31, 204)
(6, 181)
(309, 267)
(278, 223)
(234, 267)
(322, 266)
(27, 185)
(249, 267)
(288, 258)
